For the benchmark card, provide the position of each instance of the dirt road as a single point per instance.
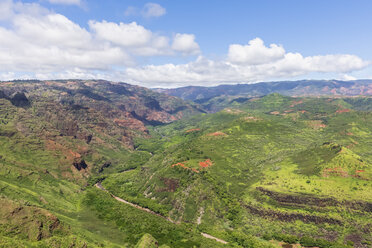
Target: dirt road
(99, 185)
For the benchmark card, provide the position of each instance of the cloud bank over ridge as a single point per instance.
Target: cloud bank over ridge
(36, 42)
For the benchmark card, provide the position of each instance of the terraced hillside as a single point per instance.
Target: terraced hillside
(278, 168)
(267, 172)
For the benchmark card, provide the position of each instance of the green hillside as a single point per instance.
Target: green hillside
(261, 173)
(280, 167)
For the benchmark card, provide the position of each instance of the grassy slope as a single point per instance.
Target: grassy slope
(37, 171)
(258, 148)
(265, 144)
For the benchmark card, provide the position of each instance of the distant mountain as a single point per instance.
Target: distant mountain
(76, 107)
(290, 88)
(216, 98)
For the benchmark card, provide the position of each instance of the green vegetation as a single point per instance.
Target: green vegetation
(276, 168)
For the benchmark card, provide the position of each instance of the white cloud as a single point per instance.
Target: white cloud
(40, 41)
(68, 2)
(121, 34)
(131, 11)
(133, 37)
(6, 9)
(149, 10)
(53, 29)
(35, 42)
(153, 10)
(185, 43)
(255, 53)
(347, 77)
(204, 71)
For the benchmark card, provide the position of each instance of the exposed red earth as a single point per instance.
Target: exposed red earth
(203, 164)
(217, 134)
(338, 171)
(294, 103)
(193, 130)
(206, 163)
(342, 111)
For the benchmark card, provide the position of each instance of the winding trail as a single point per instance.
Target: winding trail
(205, 235)
(99, 185)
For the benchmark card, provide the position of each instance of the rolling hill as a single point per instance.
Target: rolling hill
(91, 163)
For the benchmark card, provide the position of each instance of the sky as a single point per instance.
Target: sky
(174, 43)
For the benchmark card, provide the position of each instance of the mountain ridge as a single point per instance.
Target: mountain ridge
(291, 88)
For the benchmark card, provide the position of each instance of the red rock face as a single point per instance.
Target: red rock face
(131, 123)
(343, 111)
(217, 134)
(206, 163)
(158, 116)
(338, 171)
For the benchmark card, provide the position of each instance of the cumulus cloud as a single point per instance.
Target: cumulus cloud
(45, 43)
(68, 2)
(122, 34)
(5, 9)
(153, 10)
(204, 71)
(255, 53)
(38, 43)
(149, 10)
(41, 41)
(185, 43)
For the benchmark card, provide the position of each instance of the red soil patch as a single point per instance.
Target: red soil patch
(206, 163)
(193, 130)
(203, 164)
(185, 167)
(294, 103)
(360, 174)
(325, 89)
(233, 111)
(217, 134)
(69, 154)
(131, 123)
(343, 111)
(275, 112)
(338, 171)
(179, 164)
(349, 134)
(316, 124)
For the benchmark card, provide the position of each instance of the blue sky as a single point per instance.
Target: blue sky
(173, 43)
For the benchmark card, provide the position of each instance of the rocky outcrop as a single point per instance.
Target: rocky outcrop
(105, 165)
(67, 127)
(80, 165)
(20, 100)
(170, 183)
(131, 123)
(308, 200)
(3, 95)
(291, 217)
(31, 222)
